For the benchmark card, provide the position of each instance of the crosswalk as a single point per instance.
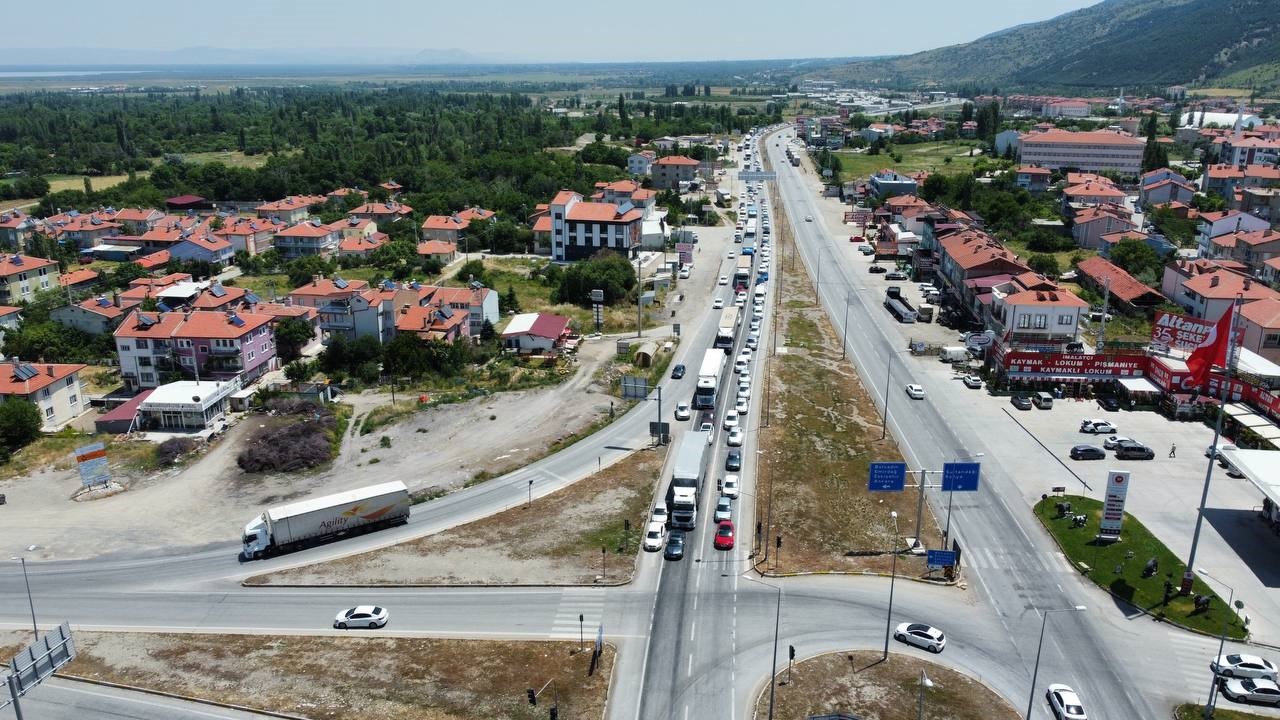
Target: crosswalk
(1191, 657)
(993, 558)
(587, 602)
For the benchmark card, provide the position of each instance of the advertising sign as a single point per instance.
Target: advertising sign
(1113, 505)
(1171, 330)
(1174, 380)
(1074, 365)
(92, 462)
(887, 477)
(938, 559)
(686, 252)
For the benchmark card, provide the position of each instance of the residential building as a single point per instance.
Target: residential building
(1214, 224)
(1261, 324)
(251, 236)
(1179, 270)
(186, 405)
(1033, 179)
(670, 171)
(1090, 224)
(575, 229)
(290, 210)
(886, 183)
(10, 316)
(967, 256)
(54, 389)
(383, 212)
(432, 322)
(1110, 240)
(452, 228)
(1125, 292)
(22, 276)
(1261, 202)
(199, 343)
(135, 221)
(1066, 108)
(1092, 151)
(438, 250)
(1091, 192)
(307, 238)
(1239, 150)
(349, 309)
(1037, 318)
(353, 227)
(535, 332)
(360, 245)
(203, 247)
(16, 230)
(479, 302)
(1006, 139)
(154, 262)
(78, 280)
(84, 230)
(1209, 295)
(1166, 191)
(339, 196)
(639, 164)
(392, 187)
(1226, 179)
(621, 192)
(96, 315)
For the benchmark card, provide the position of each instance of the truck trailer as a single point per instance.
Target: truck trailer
(310, 522)
(713, 361)
(898, 306)
(686, 480)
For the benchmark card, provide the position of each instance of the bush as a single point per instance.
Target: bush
(292, 447)
(20, 423)
(172, 449)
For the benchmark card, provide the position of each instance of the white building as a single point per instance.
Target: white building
(1089, 151)
(187, 405)
(640, 163)
(54, 389)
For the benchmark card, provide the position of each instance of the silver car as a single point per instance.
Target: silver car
(724, 509)
(362, 616)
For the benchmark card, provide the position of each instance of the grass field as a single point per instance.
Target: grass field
(1064, 257)
(1192, 711)
(931, 156)
(233, 158)
(1129, 584)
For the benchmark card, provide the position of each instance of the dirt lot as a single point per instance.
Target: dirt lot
(859, 683)
(823, 433)
(444, 447)
(525, 545)
(380, 678)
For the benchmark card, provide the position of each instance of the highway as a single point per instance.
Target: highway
(695, 637)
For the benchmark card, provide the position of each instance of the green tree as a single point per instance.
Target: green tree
(487, 332)
(291, 335)
(1134, 256)
(299, 370)
(1154, 156)
(124, 273)
(606, 270)
(510, 301)
(403, 356)
(472, 270)
(19, 424)
(1046, 265)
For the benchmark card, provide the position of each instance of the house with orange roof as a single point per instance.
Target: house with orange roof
(639, 164)
(622, 192)
(353, 226)
(970, 255)
(307, 238)
(96, 315)
(1261, 324)
(382, 212)
(54, 389)
(1047, 317)
(1209, 295)
(154, 260)
(136, 221)
(1215, 224)
(1179, 210)
(290, 210)
(86, 230)
(668, 172)
(1089, 224)
(1166, 191)
(203, 247)
(1238, 149)
(392, 187)
(22, 276)
(348, 308)
(81, 279)
(432, 322)
(16, 230)
(248, 235)
(479, 302)
(1110, 239)
(10, 316)
(1179, 270)
(1032, 178)
(360, 245)
(1126, 292)
(1091, 193)
(438, 250)
(203, 344)
(340, 196)
(575, 229)
(168, 232)
(452, 228)
(1091, 151)
(222, 297)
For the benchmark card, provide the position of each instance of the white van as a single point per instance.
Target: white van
(953, 354)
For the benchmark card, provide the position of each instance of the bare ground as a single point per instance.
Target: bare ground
(861, 684)
(442, 448)
(556, 541)
(823, 432)
(379, 678)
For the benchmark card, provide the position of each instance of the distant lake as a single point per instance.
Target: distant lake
(64, 73)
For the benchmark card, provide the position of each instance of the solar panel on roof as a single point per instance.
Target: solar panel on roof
(340, 283)
(103, 302)
(237, 320)
(252, 298)
(147, 320)
(162, 307)
(446, 312)
(625, 207)
(217, 290)
(25, 372)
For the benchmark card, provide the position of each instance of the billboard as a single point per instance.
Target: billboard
(1113, 505)
(1074, 365)
(92, 462)
(1171, 330)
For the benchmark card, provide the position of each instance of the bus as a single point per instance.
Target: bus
(713, 362)
(728, 327)
(742, 276)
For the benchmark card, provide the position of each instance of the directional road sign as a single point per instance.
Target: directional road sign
(757, 176)
(887, 477)
(960, 477)
(938, 559)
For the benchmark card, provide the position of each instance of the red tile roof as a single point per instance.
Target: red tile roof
(46, 375)
(1059, 298)
(75, 277)
(10, 264)
(195, 325)
(1264, 313)
(1033, 170)
(1094, 137)
(363, 243)
(291, 203)
(154, 260)
(387, 208)
(310, 229)
(1225, 284)
(676, 160)
(325, 287)
(436, 247)
(1123, 285)
(101, 305)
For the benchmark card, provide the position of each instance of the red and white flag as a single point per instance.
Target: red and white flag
(1211, 351)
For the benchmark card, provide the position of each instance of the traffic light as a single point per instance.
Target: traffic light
(791, 652)
(533, 696)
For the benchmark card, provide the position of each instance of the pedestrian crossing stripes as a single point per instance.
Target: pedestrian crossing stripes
(995, 558)
(1192, 655)
(574, 602)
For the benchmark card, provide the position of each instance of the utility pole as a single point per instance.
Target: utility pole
(639, 292)
(1102, 330)
(884, 419)
(893, 577)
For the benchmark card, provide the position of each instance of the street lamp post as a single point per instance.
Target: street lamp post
(30, 603)
(893, 577)
(925, 683)
(946, 534)
(773, 668)
(1222, 642)
(844, 332)
(884, 419)
(1039, 647)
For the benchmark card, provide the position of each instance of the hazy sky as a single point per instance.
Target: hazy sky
(532, 30)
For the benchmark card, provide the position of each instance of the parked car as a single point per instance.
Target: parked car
(1097, 427)
(1251, 690)
(923, 636)
(866, 250)
(677, 371)
(724, 280)
(724, 509)
(1214, 450)
(717, 304)
(972, 381)
(1065, 703)
(1243, 666)
(733, 461)
(914, 391)
(1111, 443)
(682, 411)
(724, 535)
(1131, 450)
(675, 545)
(1022, 402)
(362, 616)
(856, 238)
(896, 275)
(729, 486)
(1109, 403)
(1088, 452)
(877, 269)
(653, 536)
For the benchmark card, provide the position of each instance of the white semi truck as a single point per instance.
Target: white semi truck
(309, 522)
(686, 480)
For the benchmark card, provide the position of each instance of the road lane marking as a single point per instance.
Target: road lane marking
(688, 671)
(128, 697)
(693, 630)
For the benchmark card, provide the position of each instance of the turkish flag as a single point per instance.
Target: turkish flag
(1212, 351)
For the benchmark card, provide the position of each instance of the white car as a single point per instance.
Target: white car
(739, 302)
(362, 616)
(731, 420)
(915, 392)
(729, 486)
(755, 326)
(724, 509)
(1259, 690)
(735, 437)
(1213, 450)
(654, 534)
(753, 343)
(808, 218)
(732, 253)
(923, 636)
(1065, 703)
(742, 367)
(972, 381)
(717, 304)
(757, 313)
(682, 411)
(724, 280)
(744, 392)
(659, 514)
(1243, 666)
(1097, 427)
(1114, 441)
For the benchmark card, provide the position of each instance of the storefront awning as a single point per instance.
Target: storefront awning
(1261, 467)
(1139, 385)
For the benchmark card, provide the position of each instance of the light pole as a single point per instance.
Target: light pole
(888, 378)
(30, 603)
(1036, 672)
(893, 577)
(844, 331)
(946, 534)
(777, 620)
(925, 683)
(1222, 642)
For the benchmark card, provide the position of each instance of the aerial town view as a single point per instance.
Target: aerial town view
(822, 361)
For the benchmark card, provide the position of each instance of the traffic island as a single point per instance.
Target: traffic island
(865, 685)
(1125, 567)
(378, 678)
(1192, 711)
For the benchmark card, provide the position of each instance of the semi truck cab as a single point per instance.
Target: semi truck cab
(256, 538)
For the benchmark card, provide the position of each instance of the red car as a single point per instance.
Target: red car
(856, 239)
(724, 535)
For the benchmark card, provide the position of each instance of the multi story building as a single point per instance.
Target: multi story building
(1033, 179)
(1092, 151)
(16, 230)
(576, 229)
(452, 228)
(307, 238)
(199, 343)
(248, 235)
(22, 276)
(54, 389)
(293, 209)
(670, 171)
(382, 212)
(639, 164)
(348, 308)
(1216, 224)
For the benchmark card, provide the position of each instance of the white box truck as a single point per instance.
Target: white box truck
(309, 522)
(953, 354)
(686, 480)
